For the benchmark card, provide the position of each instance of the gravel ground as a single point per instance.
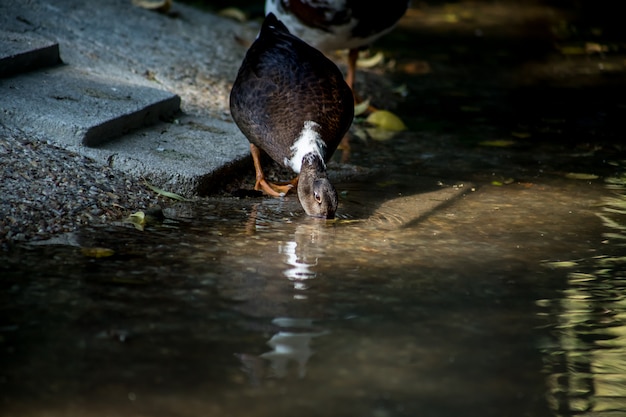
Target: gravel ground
(45, 191)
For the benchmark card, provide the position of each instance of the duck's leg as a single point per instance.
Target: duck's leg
(261, 183)
(353, 56)
(290, 185)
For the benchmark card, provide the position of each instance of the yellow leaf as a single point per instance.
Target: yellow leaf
(371, 61)
(520, 135)
(162, 6)
(138, 220)
(167, 194)
(562, 264)
(379, 134)
(501, 143)
(361, 107)
(386, 120)
(580, 176)
(97, 252)
(233, 13)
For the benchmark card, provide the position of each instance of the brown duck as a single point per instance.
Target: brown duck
(292, 102)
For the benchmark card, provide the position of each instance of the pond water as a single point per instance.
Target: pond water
(460, 278)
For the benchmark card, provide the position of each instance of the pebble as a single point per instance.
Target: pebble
(46, 191)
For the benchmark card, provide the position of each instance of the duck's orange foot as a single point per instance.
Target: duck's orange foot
(269, 188)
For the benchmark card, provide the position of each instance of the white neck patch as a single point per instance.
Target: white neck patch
(309, 141)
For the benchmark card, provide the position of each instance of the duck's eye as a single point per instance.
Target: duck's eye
(318, 197)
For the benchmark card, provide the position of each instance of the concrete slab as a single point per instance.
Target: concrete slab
(72, 106)
(116, 45)
(193, 54)
(22, 52)
(188, 156)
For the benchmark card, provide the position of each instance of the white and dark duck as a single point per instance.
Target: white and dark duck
(330, 25)
(292, 102)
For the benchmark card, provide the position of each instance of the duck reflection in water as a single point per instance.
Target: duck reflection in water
(291, 340)
(292, 343)
(302, 255)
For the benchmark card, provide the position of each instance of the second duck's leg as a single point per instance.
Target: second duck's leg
(353, 55)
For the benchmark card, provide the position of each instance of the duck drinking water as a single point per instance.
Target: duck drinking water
(292, 103)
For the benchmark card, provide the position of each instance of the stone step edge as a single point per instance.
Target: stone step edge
(147, 116)
(20, 53)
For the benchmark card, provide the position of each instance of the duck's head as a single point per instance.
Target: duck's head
(315, 192)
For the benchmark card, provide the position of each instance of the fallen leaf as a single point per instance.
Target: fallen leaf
(379, 134)
(97, 252)
(386, 120)
(371, 61)
(580, 176)
(501, 143)
(233, 13)
(505, 181)
(562, 264)
(360, 108)
(348, 221)
(162, 6)
(167, 194)
(138, 220)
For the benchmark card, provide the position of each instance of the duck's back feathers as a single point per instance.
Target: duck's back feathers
(285, 86)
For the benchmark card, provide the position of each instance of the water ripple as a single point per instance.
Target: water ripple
(587, 366)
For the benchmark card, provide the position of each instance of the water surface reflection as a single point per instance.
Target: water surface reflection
(238, 305)
(586, 363)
